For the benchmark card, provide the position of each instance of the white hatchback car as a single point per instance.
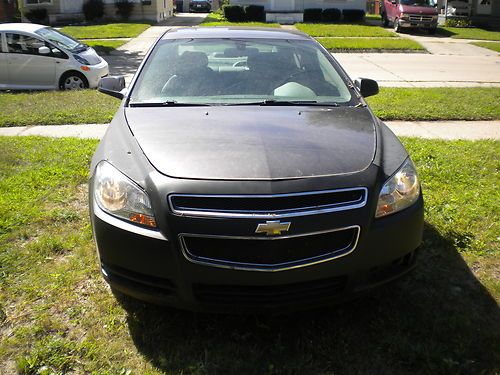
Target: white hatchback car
(37, 57)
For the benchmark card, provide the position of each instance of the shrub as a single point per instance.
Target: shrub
(93, 9)
(234, 13)
(36, 15)
(353, 14)
(255, 13)
(458, 22)
(312, 14)
(331, 15)
(124, 8)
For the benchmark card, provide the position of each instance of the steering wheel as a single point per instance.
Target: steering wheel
(169, 82)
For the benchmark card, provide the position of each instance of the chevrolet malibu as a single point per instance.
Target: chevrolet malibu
(37, 57)
(245, 171)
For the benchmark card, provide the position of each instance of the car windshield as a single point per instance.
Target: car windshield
(239, 72)
(419, 3)
(61, 40)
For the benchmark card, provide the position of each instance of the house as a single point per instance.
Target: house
(8, 9)
(290, 11)
(479, 11)
(60, 11)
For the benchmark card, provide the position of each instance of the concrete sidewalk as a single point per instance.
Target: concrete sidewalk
(449, 130)
(422, 69)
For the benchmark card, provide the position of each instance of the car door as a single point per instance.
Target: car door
(4, 74)
(27, 67)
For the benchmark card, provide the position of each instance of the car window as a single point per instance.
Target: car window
(230, 71)
(23, 44)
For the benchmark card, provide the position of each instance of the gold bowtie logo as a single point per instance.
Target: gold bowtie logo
(273, 228)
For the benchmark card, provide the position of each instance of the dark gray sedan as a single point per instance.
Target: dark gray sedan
(244, 171)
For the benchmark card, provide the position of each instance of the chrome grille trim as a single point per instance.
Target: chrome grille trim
(242, 214)
(274, 267)
(418, 18)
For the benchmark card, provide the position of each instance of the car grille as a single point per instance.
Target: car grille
(268, 206)
(269, 253)
(415, 18)
(245, 295)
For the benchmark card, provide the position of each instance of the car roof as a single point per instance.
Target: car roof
(234, 32)
(26, 27)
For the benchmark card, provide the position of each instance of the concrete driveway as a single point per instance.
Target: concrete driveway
(127, 58)
(452, 63)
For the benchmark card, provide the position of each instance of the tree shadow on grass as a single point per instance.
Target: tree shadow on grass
(439, 319)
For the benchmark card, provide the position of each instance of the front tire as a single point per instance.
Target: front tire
(73, 81)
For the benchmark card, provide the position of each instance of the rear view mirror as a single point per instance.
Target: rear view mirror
(44, 50)
(367, 87)
(113, 86)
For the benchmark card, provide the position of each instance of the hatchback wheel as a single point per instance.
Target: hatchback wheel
(73, 81)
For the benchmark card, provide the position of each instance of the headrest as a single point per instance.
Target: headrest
(189, 61)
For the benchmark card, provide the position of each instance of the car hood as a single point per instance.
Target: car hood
(91, 56)
(254, 143)
(428, 11)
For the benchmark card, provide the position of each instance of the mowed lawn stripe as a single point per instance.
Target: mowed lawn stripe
(112, 30)
(370, 44)
(325, 30)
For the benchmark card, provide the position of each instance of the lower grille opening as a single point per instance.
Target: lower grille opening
(136, 280)
(270, 295)
(393, 269)
(260, 252)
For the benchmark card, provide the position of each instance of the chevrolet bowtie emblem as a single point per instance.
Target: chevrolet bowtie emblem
(272, 228)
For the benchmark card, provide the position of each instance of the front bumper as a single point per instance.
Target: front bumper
(96, 72)
(406, 23)
(154, 268)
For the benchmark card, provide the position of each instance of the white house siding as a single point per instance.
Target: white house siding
(157, 11)
(300, 5)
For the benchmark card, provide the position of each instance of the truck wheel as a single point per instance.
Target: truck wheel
(397, 27)
(385, 21)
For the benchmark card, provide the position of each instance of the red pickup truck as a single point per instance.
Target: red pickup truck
(416, 14)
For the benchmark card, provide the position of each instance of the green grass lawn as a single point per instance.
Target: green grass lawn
(90, 106)
(469, 33)
(112, 30)
(56, 107)
(217, 19)
(340, 30)
(471, 103)
(105, 46)
(370, 44)
(57, 316)
(494, 46)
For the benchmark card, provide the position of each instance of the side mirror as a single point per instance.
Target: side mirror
(367, 87)
(44, 50)
(394, 2)
(113, 86)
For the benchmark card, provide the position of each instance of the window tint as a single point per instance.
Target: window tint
(18, 43)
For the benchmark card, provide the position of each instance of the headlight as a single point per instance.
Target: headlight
(399, 191)
(81, 60)
(118, 195)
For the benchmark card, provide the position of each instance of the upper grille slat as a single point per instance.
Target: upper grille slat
(266, 206)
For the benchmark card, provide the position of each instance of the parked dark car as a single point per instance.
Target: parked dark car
(244, 171)
(410, 14)
(200, 6)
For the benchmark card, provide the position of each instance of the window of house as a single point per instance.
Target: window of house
(33, 2)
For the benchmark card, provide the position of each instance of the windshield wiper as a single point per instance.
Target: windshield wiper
(168, 103)
(273, 102)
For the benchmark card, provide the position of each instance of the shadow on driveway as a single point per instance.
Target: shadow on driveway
(437, 320)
